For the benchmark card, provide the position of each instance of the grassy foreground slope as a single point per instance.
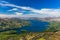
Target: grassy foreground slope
(31, 36)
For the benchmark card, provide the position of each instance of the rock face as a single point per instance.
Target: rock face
(55, 19)
(50, 19)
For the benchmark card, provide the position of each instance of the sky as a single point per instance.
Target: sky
(30, 8)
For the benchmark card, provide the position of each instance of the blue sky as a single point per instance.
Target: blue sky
(38, 4)
(30, 8)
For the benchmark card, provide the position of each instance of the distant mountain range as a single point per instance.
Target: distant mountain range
(33, 18)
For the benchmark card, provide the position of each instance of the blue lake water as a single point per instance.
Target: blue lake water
(36, 26)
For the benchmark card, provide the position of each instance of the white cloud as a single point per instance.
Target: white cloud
(14, 9)
(51, 12)
(10, 15)
(6, 15)
(4, 2)
(17, 13)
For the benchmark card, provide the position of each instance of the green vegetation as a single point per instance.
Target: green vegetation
(41, 38)
(12, 23)
(53, 26)
(7, 32)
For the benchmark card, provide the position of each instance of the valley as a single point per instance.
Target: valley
(19, 29)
